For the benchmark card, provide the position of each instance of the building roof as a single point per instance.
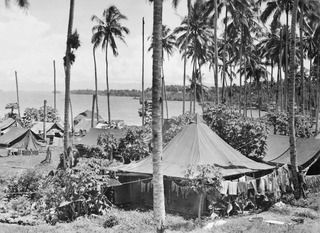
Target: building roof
(91, 138)
(7, 123)
(37, 128)
(197, 144)
(21, 138)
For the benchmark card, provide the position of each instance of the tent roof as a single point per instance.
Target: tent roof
(7, 123)
(84, 124)
(92, 136)
(38, 127)
(20, 138)
(197, 144)
(307, 151)
(276, 145)
(86, 114)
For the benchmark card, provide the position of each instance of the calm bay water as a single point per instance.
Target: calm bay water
(122, 108)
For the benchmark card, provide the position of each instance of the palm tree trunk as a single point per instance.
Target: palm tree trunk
(107, 82)
(286, 86)
(54, 87)
(194, 86)
(278, 89)
(185, 66)
(301, 62)
(280, 67)
(67, 86)
(241, 51)
(317, 102)
(164, 94)
(92, 109)
(158, 188)
(271, 83)
(291, 114)
(216, 50)
(310, 87)
(224, 58)
(259, 96)
(245, 90)
(95, 81)
(142, 75)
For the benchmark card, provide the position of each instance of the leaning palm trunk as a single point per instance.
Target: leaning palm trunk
(107, 82)
(158, 189)
(95, 82)
(67, 86)
(291, 114)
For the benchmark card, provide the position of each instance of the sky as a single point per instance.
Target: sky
(31, 39)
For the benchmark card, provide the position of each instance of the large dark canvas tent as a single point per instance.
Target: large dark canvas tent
(196, 144)
(20, 138)
(308, 152)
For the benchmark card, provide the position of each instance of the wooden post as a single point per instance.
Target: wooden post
(17, 89)
(44, 120)
(54, 87)
(143, 107)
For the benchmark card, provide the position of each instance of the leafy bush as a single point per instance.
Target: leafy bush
(109, 144)
(91, 151)
(246, 135)
(279, 121)
(132, 147)
(77, 192)
(27, 184)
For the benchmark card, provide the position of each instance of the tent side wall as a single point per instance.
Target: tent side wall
(140, 193)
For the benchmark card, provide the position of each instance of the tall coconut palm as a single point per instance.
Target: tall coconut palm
(95, 44)
(108, 29)
(193, 39)
(158, 188)
(291, 95)
(67, 63)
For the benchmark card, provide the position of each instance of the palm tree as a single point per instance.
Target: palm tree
(107, 30)
(291, 95)
(175, 5)
(158, 188)
(68, 61)
(193, 39)
(95, 44)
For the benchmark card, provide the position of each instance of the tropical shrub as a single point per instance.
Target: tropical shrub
(246, 135)
(132, 147)
(109, 144)
(27, 184)
(279, 122)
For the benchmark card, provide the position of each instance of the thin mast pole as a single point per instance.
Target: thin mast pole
(44, 120)
(17, 89)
